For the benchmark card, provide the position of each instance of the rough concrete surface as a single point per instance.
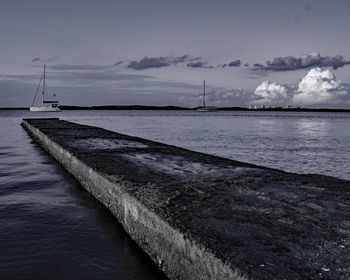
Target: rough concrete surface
(204, 217)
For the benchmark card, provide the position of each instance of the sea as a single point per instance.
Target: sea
(53, 229)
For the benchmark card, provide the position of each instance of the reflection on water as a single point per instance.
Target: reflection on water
(51, 228)
(313, 128)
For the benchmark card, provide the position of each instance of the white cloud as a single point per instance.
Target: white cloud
(270, 93)
(320, 86)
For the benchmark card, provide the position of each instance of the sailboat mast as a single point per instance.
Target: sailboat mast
(44, 84)
(204, 93)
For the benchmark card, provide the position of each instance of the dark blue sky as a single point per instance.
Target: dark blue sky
(80, 41)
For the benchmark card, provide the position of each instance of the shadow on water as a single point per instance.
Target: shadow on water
(53, 229)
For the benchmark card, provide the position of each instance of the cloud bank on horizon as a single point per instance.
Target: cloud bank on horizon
(318, 87)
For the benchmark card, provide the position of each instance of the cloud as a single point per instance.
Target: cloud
(270, 93)
(234, 63)
(305, 61)
(161, 61)
(320, 86)
(118, 63)
(149, 62)
(199, 64)
(184, 58)
(258, 65)
(35, 59)
(194, 58)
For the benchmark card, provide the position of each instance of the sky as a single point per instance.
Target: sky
(158, 52)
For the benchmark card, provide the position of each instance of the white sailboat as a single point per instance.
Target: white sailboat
(45, 105)
(204, 107)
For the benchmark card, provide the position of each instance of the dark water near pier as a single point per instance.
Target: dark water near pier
(52, 229)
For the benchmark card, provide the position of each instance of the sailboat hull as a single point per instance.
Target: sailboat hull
(44, 109)
(46, 105)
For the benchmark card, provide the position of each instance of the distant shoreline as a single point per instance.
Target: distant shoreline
(178, 108)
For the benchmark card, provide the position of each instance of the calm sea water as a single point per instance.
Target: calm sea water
(52, 229)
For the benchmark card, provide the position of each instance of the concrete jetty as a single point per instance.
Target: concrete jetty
(200, 216)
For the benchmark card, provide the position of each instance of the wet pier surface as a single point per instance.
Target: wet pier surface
(204, 217)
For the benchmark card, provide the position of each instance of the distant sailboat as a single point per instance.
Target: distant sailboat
(45, 105)
(205, 108)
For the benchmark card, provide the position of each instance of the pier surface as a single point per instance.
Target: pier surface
(204, 217)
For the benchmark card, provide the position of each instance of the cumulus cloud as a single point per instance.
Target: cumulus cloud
(305, 61)
(35, 59)
(160, 61)
(270, 93)
(320, 86)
